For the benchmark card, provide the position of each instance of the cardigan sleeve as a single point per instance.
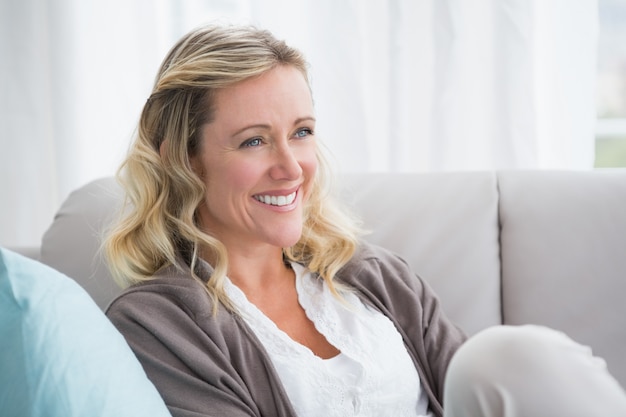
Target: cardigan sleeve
(202, 365)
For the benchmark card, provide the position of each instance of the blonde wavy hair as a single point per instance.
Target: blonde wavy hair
(158, 227)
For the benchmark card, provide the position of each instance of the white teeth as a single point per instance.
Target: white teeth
(273, 200)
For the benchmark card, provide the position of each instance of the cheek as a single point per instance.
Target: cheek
(240, 177)
(308, 161)
(230, 181)
(309, 166)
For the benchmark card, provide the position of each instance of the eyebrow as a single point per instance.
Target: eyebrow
(267, 127)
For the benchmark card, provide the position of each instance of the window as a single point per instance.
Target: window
(611, 86)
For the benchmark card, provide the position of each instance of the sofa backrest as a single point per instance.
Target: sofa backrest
(510, 247)
(563, 243)
(444, 224)
(72, 242)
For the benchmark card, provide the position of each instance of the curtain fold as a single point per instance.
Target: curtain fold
(399, 85)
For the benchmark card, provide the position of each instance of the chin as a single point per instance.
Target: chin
(287, 243)
(286, 239)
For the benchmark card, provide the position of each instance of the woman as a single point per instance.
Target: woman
(251, 294)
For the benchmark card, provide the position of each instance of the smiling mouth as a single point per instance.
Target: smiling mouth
(273, 200)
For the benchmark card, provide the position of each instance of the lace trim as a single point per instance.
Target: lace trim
(363, 380)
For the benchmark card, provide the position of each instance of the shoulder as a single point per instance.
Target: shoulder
(172, 292)
(369, 251)
(173, 309)
(387, 281)
(198, 361)
(375, 263)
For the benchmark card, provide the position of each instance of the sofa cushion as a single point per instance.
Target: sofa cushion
(564, 256)
(59, 355)
(445, 225)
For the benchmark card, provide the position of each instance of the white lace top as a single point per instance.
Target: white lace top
(372, 376)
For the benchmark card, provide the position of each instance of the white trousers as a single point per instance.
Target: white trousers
(529, 371)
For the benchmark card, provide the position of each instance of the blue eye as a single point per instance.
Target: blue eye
(304, 132)
(250, 143)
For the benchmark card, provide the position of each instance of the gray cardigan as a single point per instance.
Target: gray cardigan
(205, 365)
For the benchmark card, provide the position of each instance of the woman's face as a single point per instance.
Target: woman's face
(258, 161)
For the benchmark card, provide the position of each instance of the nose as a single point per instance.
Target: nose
(286, 165)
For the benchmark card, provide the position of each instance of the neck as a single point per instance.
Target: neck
(259, 270)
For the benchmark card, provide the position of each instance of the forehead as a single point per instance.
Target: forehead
(282, 89)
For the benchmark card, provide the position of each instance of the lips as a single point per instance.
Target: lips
(276, 200)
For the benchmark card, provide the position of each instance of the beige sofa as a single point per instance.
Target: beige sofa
(500, 247)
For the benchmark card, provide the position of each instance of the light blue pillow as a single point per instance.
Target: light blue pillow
(59, 354)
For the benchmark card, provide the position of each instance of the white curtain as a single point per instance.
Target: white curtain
(399, 85)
